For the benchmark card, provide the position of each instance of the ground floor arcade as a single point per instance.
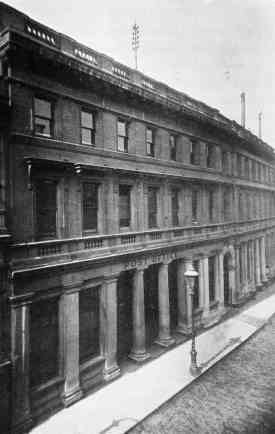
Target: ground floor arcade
(70, 337)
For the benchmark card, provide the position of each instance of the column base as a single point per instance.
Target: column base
(22, 427)
(184, 330)
(73, 397)
(139, 357)
(165, 342)
(259, 287)
(111, 373)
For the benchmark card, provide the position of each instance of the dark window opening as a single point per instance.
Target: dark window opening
(173, 148)
(46, 209)
(44, 341)
(152, 207)
(150, 147)
(195, 198)
(124, 205)
(88, 324)
(89, 206)
(211, 274)
(42, 117)
(175, 207)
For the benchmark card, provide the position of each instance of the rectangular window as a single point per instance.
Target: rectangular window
(124, 205)
(152, 207)
(150, 148)
(89, 206)
(175, 207)
(44, 341)
(88, 324)
(173, 148)
(46, 209)
(210, 155)
(211, 275)
(42, 117)
(224, 162)
(195, 199)
(226, 203)
(194, 153)
(122, 139)
(196, 299)
(87, 128)
(239, 165)
(211, 205)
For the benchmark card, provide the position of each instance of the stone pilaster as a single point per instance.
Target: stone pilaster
(70, 328)
(204, 288)
(245, 269)
(257, 264)
(138, 352)
(20, 347)
(111, 205)
(263, 261)
(164, 337)
(219, 280)
(108, 317)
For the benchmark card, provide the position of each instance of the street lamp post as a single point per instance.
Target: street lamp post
(190, 275)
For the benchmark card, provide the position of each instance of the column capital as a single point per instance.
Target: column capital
(111, 278)
(21, 300)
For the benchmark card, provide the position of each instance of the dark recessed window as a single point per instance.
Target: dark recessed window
(211, 205)
(173, 147)
(152, 207)
(124, 205)
(122, 139)
(196, 297)
(211, 275)
(44, 341)
(150, 148)
(87, 128)
(89, 206)
(175, 207)
(46, 208)
(42, 117)
(195, 200)
(88, 324)
(194, 152)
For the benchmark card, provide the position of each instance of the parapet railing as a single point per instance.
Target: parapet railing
(60, 250)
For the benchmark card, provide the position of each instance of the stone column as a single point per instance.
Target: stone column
(204, 287)
(244, 265)
(263, 262)
(252, 250)
(138, 352)
(70, 328)
(108, 317)
(184, 301)
(220, 280)
(164, 337)
(257, 265)
(20, 348)
(235, 296)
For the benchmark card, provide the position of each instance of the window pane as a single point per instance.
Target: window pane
(46, 209)
(87, 120)
(121, 144)
(90, 206)
(88, 324)
(121, 128)
(149, 135)
(43, 341)
(86, 136)
(152, 207)
(124, 205)
(42, 108)
(175, 208)
(42, 126)
(194, 205)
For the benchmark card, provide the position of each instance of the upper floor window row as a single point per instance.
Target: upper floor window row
(43, 124)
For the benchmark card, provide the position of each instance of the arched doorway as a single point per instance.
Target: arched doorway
(227, 266)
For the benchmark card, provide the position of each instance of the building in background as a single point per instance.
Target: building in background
(109, 182)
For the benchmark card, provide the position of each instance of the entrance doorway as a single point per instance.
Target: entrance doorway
(173, 293)
(124, 314)
(151, 303)
(227, 260)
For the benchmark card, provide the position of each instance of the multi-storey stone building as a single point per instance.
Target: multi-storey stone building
(109, 182)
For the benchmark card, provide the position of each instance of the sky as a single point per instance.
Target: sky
(210, 49)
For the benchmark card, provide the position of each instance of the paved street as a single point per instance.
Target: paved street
(235, 396)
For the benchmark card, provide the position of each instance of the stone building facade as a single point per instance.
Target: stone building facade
(110, 181)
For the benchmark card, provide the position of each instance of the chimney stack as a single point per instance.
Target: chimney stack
(260, 124)
(243, 109)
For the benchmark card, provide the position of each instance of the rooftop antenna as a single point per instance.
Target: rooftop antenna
(260, 116)
(135, 42)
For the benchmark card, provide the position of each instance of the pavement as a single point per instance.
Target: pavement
(125, 402)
